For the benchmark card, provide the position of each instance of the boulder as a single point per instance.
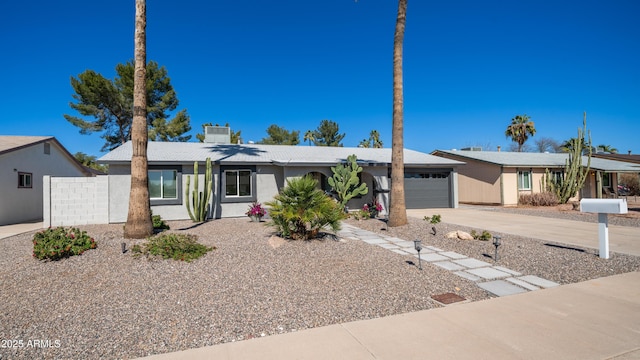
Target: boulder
(459, 235)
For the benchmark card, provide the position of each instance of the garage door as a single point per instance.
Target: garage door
(427, 189)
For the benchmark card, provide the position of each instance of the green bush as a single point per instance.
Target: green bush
(301, 210)
(485, 236)
(435, 219)
(158, 223)
(183, 247)
(58, 243)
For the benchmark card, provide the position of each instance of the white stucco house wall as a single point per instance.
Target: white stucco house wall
(24, 160)
(244, 173)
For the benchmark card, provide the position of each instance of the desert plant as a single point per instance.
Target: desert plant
(301, 210)
(256, 210)
(345, 181)
(183, 247)
(435, 219)
(574, 173)
(484, 236)
(158, 223)
(60, 242)
(199, 200)
(545, 198)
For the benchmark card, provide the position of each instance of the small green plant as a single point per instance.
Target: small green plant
(158, 223)
(60, 242)
(301, 210)
(484, 236)
(183, 247)
(435, 219)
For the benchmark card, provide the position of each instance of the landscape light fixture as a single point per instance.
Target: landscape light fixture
(417, 244)
(496, 243)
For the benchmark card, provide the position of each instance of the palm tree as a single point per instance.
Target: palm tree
(139, 223)
(520, 129)
(607, 149)
(397, 206)
(374, 138)
(308, 136)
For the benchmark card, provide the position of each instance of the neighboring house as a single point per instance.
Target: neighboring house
(499, 178)
(246, 172)
(24, 160)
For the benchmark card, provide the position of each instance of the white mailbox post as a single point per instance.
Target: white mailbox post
(604, 207)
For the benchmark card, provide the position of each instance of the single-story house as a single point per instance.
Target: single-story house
(24, 160)
(499, 178)
(243, 173)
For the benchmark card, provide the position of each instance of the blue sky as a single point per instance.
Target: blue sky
(469, 66)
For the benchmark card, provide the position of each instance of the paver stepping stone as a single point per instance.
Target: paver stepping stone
(387, 246)
(395, 239)
(405, 244)
(410, 250)
(488, 273)
(544, 283)
(398, 251)
(501, 288)
(467, 276)
(432, 257)
(453, 255)
(471, 263)
(524, 284)
(512, 272)
(448, 265)
(375, 241)
(433, 248)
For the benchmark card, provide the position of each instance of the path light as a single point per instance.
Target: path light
(417, 244)
(496, 243)
(124, 247)
(386, 222)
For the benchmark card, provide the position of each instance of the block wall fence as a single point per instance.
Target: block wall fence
(70, 201)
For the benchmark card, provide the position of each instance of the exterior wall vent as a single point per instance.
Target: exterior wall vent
(217, 134)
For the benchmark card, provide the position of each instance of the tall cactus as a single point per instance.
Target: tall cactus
(574, 173)
(199, 200)
(345, 181)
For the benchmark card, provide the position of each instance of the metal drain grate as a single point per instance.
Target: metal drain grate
(448, 298)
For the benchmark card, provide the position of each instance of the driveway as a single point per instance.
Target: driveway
(15, 229)
(622, 239)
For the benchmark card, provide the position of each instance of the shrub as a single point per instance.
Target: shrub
(545, 198)
(301, 210)
(632, 182)
(485, 236)
(435, 219)
(58, 243)
(158, 223)
(256, 209)
(373, 208)
(182, 247)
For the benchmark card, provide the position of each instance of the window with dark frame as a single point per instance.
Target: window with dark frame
(24, 180)
(163, 184)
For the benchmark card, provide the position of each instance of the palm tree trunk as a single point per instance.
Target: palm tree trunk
(139, 223)
(397, 207)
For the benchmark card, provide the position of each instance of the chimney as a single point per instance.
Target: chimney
(498, 148)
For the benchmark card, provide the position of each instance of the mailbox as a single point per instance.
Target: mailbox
(604, 206)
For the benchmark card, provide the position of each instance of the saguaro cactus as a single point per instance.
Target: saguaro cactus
(345, 181)
(199, 200)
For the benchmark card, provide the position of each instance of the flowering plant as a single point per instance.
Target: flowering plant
(256, 209)
(373, 208)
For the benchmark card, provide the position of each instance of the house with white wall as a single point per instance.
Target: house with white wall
(24, 160)
(243, 173)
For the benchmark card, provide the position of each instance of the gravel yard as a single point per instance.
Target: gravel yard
(105, 304)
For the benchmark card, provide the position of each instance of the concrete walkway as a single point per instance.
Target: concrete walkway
(597, 319)
(622, 239)
(16, 229)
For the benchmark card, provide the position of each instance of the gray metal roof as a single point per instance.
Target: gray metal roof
(539, 160)
(283, 155)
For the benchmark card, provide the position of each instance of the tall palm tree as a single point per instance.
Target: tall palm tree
(374, 138)
(308, 136)
(139, 223)
(607, 149)
(397, 206)
(520, 129)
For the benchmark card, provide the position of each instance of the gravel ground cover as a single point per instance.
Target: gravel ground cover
(105, 304)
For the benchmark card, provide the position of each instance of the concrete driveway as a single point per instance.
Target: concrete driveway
(15, 229)
(622, 239)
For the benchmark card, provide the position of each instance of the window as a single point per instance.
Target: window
(163, 184)
(24, 180)
(238, 184)
(606, 179)
(524, 180)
